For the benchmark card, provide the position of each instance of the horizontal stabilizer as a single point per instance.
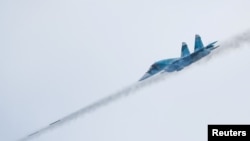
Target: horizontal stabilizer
(184, 50)
(211, 44)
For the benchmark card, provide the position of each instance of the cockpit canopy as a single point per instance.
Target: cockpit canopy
(160, 65)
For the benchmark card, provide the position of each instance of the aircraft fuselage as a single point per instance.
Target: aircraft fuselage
(187, 58)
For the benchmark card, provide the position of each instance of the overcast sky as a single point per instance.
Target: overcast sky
(57, 56)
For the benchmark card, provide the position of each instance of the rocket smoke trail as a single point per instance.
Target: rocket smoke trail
(98, 104)
(235, 42)
(232, 43)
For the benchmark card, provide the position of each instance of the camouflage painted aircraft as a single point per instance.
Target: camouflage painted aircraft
(187, 58)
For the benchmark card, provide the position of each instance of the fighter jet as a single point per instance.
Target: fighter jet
(186, 58)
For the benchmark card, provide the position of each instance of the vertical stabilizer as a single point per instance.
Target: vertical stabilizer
(184, 50)
(198, 43)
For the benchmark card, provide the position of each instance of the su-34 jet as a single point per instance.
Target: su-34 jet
(187, 58)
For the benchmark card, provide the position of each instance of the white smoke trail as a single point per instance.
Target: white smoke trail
(102, 102)
(235, 42)
(232, 43)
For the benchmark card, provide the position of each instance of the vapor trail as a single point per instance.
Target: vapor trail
(232, 43)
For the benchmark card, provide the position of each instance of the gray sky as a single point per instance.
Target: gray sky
(59, 56)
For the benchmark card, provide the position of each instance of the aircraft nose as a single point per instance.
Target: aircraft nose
(146, 75)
